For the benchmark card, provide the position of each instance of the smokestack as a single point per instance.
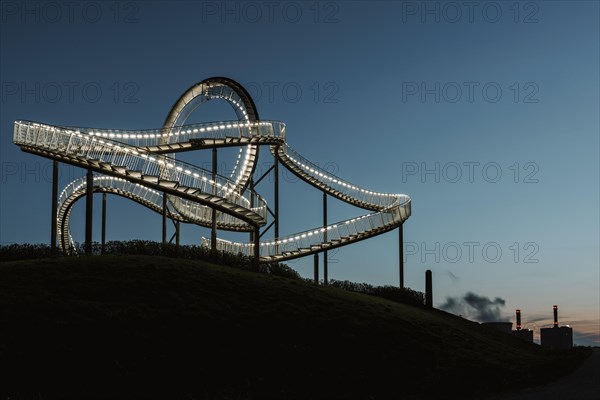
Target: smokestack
(555, 316)
(518, 320)
(428, 289)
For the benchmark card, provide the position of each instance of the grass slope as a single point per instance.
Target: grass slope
(154, 327)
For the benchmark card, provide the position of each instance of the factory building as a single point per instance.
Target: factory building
(557, 337)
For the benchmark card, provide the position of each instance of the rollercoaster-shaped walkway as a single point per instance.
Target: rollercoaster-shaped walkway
(141, 165)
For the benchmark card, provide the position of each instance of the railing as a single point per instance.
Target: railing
(149, 197)
(202, 215)
(186, 133)
(312, 240)
(376, 200)
(105, 149)
(73, 143)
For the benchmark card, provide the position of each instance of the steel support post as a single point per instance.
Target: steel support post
(89, 211)
(213, 228)
(53, 233)
(164, 219)
(316, 258)
(401, 254)
(276, 200)
(325, 271)
(251, 188)
(428, 289)
(103, 223)
(257, 248)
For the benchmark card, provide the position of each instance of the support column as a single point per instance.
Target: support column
(251, 188)
(276, 200)
(325, 272)
(257, 248)
(103, 223)
(53, 222)
(428, 289)
(89, 211)
(164, 219)
(177, 234)
(316, 269)
(213, 229)
(401, 254)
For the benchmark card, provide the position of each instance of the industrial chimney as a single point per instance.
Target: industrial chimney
(557, 337)
(524, 334)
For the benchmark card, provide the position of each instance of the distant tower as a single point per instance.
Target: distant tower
(428, 289)
(525, 334)
(557, 337)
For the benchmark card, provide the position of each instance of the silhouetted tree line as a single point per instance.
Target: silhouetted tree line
(393, 293)
(15, 252)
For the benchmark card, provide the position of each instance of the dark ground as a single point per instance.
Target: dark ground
(139, 327)
(582, 384)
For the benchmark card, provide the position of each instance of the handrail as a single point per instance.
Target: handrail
(126, 153)
(185, 133)
(77, 188)
(302, 243)
(69, 142)
(335, 185)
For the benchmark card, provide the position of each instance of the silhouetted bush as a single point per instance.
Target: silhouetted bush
(280, 270)
(393, 293)
(15, 252)
(188, 252)
(25, 251)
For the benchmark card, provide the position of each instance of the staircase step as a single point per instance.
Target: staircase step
(134, 173)
(150, 178)
(185, 189)
(167, 183)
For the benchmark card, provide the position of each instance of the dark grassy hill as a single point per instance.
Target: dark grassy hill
(153, 327)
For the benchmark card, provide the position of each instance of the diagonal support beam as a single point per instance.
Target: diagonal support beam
(266, 229)
(264, 175)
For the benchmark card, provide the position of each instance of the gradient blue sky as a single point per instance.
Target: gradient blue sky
(369, 90)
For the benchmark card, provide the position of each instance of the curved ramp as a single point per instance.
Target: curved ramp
(134, 164)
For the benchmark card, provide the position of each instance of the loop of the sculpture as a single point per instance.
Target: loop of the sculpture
(245, 109)
(237, 97)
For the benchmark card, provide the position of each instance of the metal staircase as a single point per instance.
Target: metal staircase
(135, 164)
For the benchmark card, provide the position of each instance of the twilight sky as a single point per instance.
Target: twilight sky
(485, 113)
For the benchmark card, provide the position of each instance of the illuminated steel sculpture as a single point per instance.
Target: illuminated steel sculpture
(141, 165)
